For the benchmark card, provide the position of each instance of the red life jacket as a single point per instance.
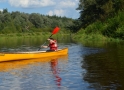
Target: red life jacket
(53, 45)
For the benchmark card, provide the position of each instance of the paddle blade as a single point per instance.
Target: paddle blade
(55, 30)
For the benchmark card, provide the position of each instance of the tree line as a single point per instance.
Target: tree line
(18, 22)
(94, 10)
(102, 16)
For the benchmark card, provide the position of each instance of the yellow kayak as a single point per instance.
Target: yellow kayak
(31, 55)
(10, 65)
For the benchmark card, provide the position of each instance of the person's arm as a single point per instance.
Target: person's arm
(47, 45)
(44, 46)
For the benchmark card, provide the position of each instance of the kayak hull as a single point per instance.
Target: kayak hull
(30, 55)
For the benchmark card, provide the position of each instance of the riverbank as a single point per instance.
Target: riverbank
(111, 29)
(35, 34)
(24, 34)
(93, 37)
(94, 40)
(78, 37)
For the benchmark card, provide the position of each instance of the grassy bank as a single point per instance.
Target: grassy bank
(23, 34)
(94, 40)
(93, 37)
(31, 34)
(111, 29)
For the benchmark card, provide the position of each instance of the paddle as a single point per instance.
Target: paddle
(56, 29)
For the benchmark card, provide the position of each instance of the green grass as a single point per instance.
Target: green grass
(95, 37)
(35, 34)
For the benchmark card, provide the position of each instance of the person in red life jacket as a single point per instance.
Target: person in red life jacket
(52, 45)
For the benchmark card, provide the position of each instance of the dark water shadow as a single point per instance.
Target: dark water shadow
(105, 70)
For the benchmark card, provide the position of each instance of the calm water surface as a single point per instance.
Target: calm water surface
(86, 67)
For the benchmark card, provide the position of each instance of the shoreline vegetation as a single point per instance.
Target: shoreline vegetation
(112, 29)
(98, 22)
(95, 38)
(79, 37)
(32, 35)
(101, 20)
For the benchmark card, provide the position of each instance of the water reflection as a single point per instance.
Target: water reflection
(91, 66)
(13, 44)
(55, 70)
(105, 70)
(10, 65)
(40, 73)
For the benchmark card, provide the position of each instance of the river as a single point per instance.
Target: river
(88, 66)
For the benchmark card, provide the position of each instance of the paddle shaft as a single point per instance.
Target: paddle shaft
(45, 42)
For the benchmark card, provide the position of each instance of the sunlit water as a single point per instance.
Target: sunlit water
(84, 68)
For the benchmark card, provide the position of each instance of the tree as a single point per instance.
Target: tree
(5, 10)
(23, 22)
(93, 10)
(36, 20)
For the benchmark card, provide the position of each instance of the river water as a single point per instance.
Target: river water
(88, 66)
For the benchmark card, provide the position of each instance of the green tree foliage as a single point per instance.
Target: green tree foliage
(5, 10)
(75, 26)
(36, 20)
(105, 17)
(18, 22)
(93, 10)
(112, 27)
